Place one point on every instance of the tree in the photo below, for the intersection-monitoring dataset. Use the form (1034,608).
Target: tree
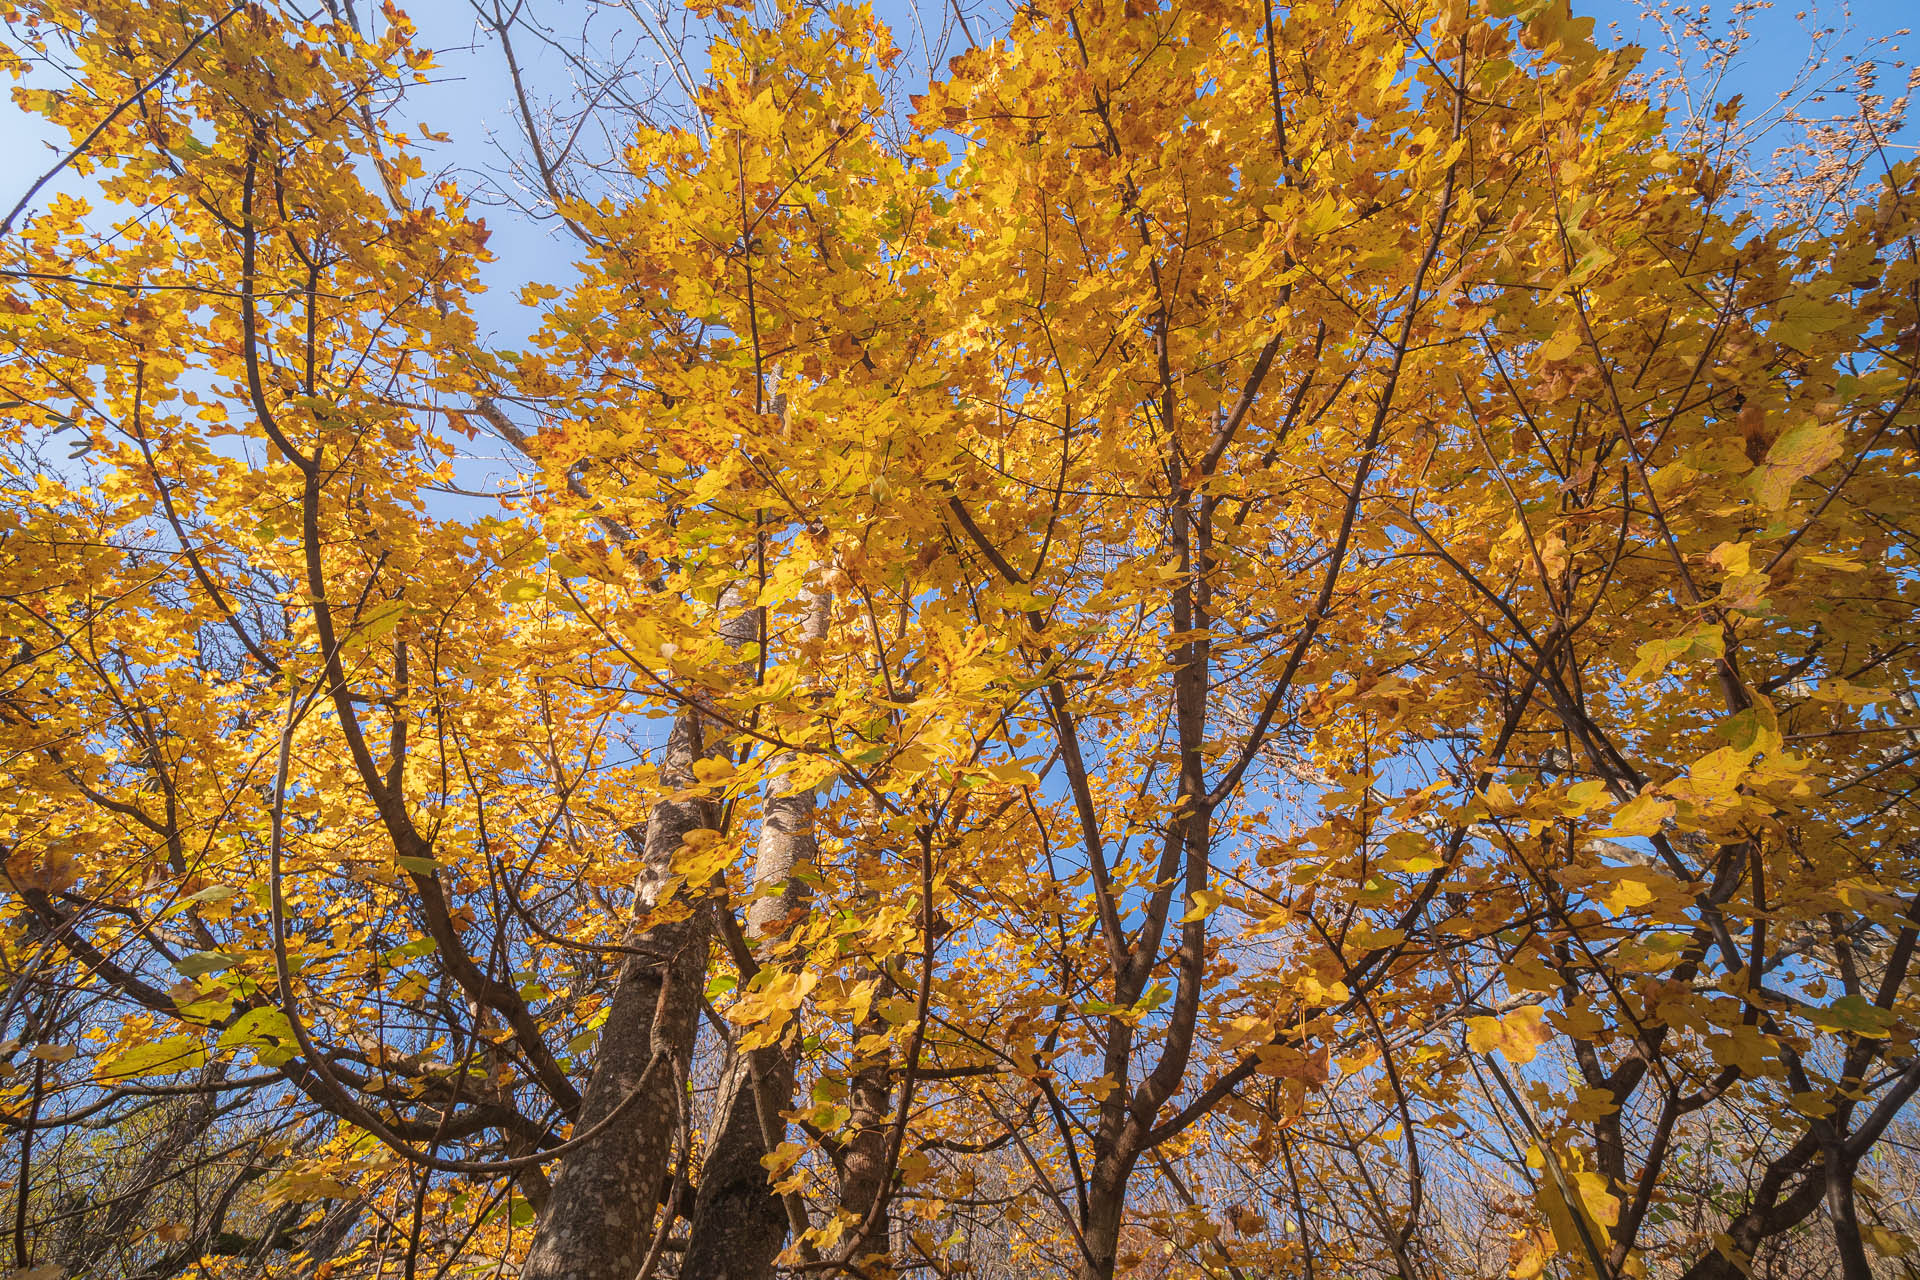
(1241,640)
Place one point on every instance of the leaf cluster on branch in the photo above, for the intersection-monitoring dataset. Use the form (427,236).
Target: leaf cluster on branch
(1243,640)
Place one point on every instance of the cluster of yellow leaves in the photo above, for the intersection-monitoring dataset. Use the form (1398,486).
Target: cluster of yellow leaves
(1328,498)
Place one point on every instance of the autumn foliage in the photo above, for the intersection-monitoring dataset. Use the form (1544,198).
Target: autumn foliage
(1236,641)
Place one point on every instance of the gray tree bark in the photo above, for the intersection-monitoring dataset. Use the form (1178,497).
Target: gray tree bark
(739,1223)
(863,1160)
(600,1214)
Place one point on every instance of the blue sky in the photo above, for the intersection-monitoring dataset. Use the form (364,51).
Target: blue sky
(470,98)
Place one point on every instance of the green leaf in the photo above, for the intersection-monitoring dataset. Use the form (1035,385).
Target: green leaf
(204,962)
(1856,1015)
(266,1031)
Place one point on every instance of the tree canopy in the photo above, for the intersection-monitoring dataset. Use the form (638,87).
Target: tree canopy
(1239,640)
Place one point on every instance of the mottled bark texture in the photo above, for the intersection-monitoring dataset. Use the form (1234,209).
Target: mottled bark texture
(599,1219)
(863,1160)
(739,1222)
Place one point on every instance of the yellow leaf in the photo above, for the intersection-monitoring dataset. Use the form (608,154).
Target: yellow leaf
(1517,1035)
(1533,1247)
(1585,797)
(1640,816)
(1718,773)
(1564,342)
(1797,454)
(1627,892)
(1601,1205)
(1592,1104)
(1655,656)
(165,1057)
(1204,900)
(1410,851)
(1723,1245)
(1500,800)
(1747,1048)
(1529,973)
(1888,1244)
(1596,1210)
(702,857)
(1734,558)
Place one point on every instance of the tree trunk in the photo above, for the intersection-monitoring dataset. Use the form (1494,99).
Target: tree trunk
(599,1220)
(863,1162)
(1106,1210)
(739,1222)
